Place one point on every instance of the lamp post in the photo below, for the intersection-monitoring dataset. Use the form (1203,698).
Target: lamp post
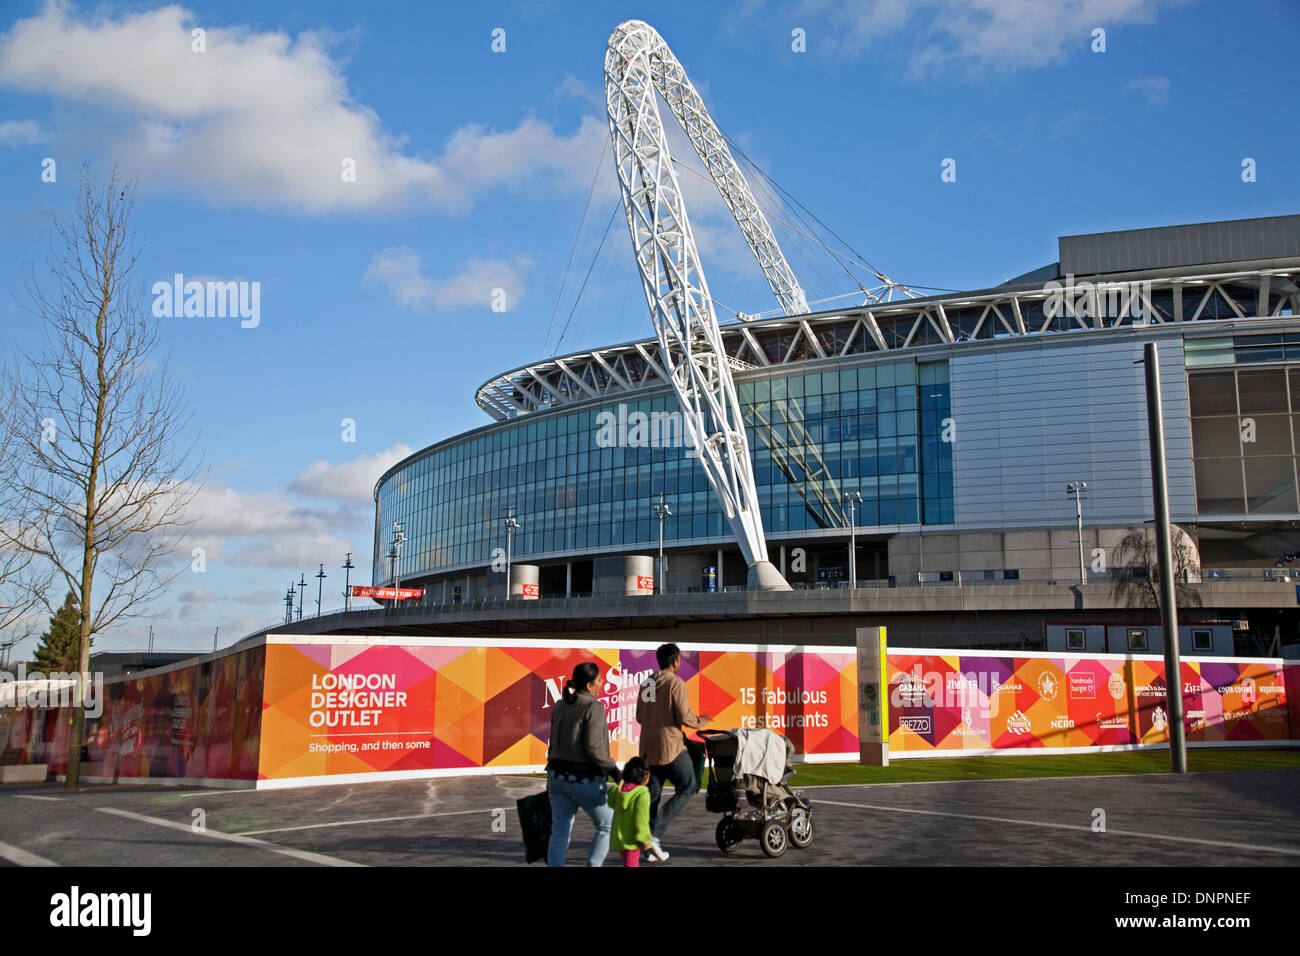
(320,586)
(662,511)
(398,537)
(1075,489)
(511,524)
(302,591)
(347,578)
(1164,546)
(853,499)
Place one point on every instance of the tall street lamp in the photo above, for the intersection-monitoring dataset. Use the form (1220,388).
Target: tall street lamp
(662,511)
(398,537)
(511,525)
(347,579)
(1075,490)
(302,591)
(853,499)
(320,586)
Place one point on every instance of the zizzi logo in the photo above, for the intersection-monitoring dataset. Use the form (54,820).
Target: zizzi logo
(208,300)
(623,429)
(74,909)
(1099,300)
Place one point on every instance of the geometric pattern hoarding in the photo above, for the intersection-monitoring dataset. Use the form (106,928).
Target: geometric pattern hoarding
(416,706)
(299,710)
(971,702)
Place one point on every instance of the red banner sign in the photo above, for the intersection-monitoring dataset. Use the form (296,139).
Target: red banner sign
(528,590)
(388,594)
(645,582)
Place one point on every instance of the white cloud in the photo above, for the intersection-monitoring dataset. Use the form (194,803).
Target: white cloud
(264,118)
(399,270)
(350,481)
(970,36)
(20,133)
(1154,88)
(198,596)
(268,526)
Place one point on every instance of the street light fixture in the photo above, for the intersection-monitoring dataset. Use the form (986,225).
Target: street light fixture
(320,585)
(396,554)
(662,511)
(347,578)
(1075,490)
(853,499)
(511,525)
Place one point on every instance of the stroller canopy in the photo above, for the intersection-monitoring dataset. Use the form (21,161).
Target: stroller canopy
(762,753)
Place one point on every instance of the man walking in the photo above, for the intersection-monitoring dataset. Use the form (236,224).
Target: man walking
(662,707)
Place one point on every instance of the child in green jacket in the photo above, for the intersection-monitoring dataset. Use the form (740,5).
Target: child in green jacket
(630,832)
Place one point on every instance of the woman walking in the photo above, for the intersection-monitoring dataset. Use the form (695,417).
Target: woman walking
(577,763)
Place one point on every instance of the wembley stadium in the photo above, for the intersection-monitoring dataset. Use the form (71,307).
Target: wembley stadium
(996,436)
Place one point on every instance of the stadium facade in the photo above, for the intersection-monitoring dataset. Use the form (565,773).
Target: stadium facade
(959,420)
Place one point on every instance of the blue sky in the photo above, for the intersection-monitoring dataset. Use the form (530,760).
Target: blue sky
(473,170)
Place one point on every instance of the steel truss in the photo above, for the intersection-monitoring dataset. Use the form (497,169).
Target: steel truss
(958,319)
(691,356)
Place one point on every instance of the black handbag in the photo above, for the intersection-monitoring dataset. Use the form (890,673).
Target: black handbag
(535,824)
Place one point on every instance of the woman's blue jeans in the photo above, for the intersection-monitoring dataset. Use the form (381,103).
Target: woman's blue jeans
(566,798)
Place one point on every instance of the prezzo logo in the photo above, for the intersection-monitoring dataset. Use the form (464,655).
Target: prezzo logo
(1099,300)
(208,300)
(917,725)
(75,909)
(1018,723)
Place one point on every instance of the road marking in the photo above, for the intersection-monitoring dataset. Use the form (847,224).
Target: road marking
(232,838)
(15,855)
(1065,826)
(352,823)
(32,796)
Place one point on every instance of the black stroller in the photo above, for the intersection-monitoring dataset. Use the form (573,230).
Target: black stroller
(753,805)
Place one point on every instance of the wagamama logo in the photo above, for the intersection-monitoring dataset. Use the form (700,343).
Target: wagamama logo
(74,909)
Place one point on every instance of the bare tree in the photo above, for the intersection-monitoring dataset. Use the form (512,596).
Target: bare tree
(1136,578)
(100,471)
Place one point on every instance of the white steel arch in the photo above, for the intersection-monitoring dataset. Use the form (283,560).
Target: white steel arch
(637,62)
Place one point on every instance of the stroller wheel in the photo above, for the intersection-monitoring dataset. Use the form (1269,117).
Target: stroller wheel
(728,835)
(774,839)
(801,827)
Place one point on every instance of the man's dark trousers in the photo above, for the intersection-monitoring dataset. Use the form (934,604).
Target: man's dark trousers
(682,774)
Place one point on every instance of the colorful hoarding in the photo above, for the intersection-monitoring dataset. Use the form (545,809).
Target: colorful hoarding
(367,708)
(978,702)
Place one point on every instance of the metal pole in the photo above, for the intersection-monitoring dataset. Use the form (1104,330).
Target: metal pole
(347,581)
(1078,514)
(853,544)
(214,637)
(320,587)
(302,592)
(1168,602)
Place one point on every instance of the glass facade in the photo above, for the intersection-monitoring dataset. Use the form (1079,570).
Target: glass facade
(883,431)
(1245,434)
